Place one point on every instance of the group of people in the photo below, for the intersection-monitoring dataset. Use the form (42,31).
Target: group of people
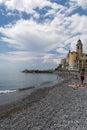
(82,77)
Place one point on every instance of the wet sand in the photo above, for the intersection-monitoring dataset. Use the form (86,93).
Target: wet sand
(59,107)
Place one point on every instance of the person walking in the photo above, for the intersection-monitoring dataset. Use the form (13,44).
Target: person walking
(82,76)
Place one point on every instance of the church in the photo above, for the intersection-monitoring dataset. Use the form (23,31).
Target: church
(75,60)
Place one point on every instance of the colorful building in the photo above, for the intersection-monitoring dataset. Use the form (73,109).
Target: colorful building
(75,60)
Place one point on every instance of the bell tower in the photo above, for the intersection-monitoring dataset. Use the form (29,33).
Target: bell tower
(79,48)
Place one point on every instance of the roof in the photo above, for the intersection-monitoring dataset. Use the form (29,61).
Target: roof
(79,42)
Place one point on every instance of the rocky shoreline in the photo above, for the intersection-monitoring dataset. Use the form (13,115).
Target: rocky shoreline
(59,107)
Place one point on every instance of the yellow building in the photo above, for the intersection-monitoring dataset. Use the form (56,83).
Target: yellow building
(63,62)
(75,60)
(72,60)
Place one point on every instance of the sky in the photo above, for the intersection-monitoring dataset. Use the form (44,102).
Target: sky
(37,34)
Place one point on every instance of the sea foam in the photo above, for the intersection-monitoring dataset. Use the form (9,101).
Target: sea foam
(7,91)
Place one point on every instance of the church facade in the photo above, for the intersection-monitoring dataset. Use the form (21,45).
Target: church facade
(75,60)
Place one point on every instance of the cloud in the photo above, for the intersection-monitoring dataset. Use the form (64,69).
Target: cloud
(43,37)
(29,35)
(51,59)
(35,40)
(26,5)
(62,51)
(82,3)
(18,56)
(21,60)
(21,57)
(1,1)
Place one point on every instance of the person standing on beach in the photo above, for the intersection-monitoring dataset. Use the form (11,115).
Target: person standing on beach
(82,75)
(69,74)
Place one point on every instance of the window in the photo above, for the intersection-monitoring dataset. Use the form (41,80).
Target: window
(77,47)
(76,58)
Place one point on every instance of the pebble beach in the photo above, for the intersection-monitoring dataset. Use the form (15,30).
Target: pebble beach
(59,107)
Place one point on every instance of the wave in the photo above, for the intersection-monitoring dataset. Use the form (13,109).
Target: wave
(7,91)
(12,91)
(41,85)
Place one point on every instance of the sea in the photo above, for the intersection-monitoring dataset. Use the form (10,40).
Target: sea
(14,81)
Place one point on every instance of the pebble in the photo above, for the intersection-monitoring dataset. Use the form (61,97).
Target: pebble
(63,108)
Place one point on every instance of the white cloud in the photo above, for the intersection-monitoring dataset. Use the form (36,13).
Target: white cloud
(29,60)
(32,36)
(62,51)
(27,6)
(15,56)
(1,1)
(82,3)
(51,59)
(27,34)
(54,10)
(40,38)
